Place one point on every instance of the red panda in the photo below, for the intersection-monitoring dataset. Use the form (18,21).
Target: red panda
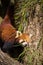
(10,35)
(24,39)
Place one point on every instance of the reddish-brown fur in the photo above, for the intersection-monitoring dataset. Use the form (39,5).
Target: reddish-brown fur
(24,37)
(8,33)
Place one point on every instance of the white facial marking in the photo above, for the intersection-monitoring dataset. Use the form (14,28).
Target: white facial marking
(21,41)
(24,43)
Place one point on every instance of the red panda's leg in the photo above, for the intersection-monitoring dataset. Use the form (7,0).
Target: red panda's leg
(7,46)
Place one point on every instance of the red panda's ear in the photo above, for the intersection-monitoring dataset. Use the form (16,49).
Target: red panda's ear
(18,33)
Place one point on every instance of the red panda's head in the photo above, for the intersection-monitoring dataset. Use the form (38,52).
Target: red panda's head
(23,38)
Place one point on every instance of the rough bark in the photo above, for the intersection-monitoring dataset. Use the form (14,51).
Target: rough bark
(6,60)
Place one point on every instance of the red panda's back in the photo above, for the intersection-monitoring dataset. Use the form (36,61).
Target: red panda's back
(8,32)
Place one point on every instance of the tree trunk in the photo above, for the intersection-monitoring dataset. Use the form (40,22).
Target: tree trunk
(6,60)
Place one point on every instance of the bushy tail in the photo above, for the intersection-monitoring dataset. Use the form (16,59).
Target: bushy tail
(10,12)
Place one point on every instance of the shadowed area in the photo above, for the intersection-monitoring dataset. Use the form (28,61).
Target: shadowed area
(15,51)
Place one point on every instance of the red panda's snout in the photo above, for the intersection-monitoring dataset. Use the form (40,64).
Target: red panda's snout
(23,43)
